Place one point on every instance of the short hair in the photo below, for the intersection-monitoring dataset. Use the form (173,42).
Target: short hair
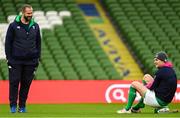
(24,7)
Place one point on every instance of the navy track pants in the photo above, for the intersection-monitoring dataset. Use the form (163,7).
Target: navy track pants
(20,78)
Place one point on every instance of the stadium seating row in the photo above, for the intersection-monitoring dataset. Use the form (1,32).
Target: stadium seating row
(148,26)
(70,50)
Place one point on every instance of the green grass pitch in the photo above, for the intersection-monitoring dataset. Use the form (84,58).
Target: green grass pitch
(82,111)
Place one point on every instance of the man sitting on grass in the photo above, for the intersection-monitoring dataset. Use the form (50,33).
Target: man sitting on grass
(157,92)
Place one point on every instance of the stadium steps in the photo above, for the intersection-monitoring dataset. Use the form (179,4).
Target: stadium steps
(148,26)
(109,40)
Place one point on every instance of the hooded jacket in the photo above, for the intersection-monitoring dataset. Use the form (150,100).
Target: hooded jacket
(165,83)
(23,46)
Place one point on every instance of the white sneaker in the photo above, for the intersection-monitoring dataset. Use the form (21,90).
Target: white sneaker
(163,110)
(123,111)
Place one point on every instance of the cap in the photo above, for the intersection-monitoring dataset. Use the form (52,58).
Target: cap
(161,56)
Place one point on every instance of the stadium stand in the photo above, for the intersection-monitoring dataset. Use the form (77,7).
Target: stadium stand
(70,50)
(148,26)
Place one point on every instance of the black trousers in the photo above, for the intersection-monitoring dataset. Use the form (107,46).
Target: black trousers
(20,78)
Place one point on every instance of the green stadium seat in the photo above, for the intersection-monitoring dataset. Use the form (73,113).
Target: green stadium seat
(31,1)
(151,26)
(40,73)
(3,69)
(71,51)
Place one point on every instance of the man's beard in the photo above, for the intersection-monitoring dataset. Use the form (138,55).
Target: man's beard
(27,18)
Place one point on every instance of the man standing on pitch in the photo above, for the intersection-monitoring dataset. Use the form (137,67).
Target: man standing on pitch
(23,48)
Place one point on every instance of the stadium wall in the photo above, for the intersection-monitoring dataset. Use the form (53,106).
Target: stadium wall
(76,91)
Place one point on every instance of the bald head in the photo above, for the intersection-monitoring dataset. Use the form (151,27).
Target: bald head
(23,9)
